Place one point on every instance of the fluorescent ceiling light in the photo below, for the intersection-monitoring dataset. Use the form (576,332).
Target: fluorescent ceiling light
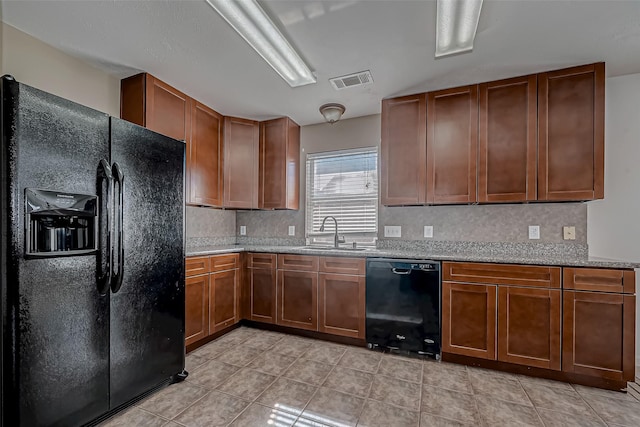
(253,24)
(457,22)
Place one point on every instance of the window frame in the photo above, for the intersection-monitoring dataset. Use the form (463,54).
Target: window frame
(363,239)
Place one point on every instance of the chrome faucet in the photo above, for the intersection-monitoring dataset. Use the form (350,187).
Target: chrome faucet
(336,239)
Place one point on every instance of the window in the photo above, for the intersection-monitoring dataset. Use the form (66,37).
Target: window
(343,184)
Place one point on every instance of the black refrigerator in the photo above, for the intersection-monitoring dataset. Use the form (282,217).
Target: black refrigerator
(91,260)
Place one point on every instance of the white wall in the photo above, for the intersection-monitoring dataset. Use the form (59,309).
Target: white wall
(614,223)
(42,66)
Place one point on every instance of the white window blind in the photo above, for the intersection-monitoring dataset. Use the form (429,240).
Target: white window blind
(343,184)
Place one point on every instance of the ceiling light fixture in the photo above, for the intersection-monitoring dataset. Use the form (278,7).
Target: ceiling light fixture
(253,24)
(457,23)
(332,112)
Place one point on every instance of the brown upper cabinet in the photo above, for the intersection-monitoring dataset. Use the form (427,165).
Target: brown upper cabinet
(204,151)
(508,140)
(536,137)
(231,162)
(403,151)
(571,133)
(452,145)
(240,148)
(149,102)
(279,185)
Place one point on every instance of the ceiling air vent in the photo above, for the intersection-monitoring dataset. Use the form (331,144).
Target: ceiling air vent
(352,80)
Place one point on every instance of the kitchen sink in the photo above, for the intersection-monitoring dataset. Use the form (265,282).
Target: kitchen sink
(331,248)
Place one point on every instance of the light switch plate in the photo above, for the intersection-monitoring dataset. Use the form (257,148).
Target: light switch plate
(292,230)
(428,231)
(569,232)
(534,232)
(243,230)
(392,231)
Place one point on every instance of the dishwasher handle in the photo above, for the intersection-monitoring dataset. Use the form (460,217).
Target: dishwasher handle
(402,271)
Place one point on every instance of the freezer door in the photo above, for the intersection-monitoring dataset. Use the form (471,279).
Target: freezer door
(147,309)
(56,345)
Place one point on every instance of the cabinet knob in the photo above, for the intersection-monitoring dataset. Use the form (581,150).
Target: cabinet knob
(309,318)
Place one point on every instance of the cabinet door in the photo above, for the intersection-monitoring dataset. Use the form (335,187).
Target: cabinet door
(469,319)
(452,145)
(403,151)
(279,164)
(342,305)
(571,134)
(203,159)
(508,140)
(529,322)
(168,109)
(262,295)
(196,308)
(298,299)
(240,148)
(599,335)
(223,300)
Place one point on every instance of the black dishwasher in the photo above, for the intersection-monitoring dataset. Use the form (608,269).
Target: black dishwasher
(403,305)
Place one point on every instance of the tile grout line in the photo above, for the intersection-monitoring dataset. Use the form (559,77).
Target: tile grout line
(319,385)
(591,407)
(420,393)
(260,394)
(475,398)
(535,408)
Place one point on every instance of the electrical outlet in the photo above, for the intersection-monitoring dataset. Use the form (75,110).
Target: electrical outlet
(569,233)
(392,231)
(534,232)
(243,230)
(428,231)
(292,230)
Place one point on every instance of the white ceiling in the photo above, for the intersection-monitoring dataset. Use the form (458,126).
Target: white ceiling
(187,44)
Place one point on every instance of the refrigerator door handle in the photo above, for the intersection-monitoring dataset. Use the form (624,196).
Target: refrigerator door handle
(116,280)
(105,251)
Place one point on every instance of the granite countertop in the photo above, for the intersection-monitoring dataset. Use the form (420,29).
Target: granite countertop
(560,260)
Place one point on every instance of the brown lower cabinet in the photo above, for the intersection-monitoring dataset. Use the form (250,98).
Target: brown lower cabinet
(223,300)
(341,305)
(502,312)
(529,322)
(469,319)
(212,299)
(197,308)
(262,289)
(583,325)
(298,299)
(325,294)
(599,323)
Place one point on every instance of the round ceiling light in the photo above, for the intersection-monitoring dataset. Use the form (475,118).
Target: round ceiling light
(332,112)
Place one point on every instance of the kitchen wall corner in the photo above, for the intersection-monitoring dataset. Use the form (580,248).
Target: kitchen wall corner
(206,227)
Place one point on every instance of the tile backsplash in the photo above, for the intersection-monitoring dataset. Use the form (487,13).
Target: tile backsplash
(487,223)
(466,223)
(210,226)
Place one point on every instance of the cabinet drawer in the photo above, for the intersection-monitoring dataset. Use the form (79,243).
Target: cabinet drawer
(262,261)
(342,265)
(298,262)
(196,265)
(502,274)
(224,262)
(600,280)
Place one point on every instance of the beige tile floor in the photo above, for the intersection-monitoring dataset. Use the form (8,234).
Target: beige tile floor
(258,378)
